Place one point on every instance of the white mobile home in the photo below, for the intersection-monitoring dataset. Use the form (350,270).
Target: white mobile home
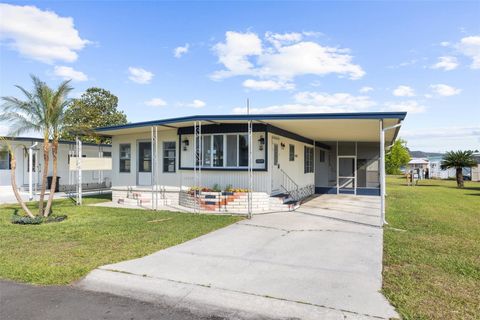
(289,154)
(66,150)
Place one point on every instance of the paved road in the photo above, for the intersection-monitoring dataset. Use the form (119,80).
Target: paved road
(21,301)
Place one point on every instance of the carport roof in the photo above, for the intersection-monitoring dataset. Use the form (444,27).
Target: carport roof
(317,126)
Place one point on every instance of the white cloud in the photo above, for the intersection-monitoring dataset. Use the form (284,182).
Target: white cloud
(196,103)
(40,35)
(280,57)
(470,47)
(279,39)
(180,51)
(140,75)
(235,52)
(270,85)
(68,73)
(445,90)
(156,102)
(315,102)
(365,89)
(410,106)
(446,63)
(403,91)
(445,43)
(443,132)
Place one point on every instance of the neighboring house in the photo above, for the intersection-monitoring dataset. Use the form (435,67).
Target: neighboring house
(450,173)
(417,163)
(476,169)
(293,155)
(65,151)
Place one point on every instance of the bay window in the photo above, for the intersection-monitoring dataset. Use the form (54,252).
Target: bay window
(224,150)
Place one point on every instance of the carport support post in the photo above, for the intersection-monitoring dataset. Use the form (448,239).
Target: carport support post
(79,170)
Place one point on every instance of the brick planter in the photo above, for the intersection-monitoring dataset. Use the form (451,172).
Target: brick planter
(234,202)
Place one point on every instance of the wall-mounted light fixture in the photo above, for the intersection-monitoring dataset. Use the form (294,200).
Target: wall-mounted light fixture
(282,145)
(185,144)
(261,143)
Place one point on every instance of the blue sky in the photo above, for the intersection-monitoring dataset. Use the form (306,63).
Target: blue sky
(167,59)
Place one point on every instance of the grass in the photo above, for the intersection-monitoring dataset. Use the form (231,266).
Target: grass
(432,249)
(60,253)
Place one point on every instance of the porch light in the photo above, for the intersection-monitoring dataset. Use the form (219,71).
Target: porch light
(282,145)
(261,143)
(185,144)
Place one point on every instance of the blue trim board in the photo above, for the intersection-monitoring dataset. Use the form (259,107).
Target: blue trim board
(360,191)
(60,141)
(259,117)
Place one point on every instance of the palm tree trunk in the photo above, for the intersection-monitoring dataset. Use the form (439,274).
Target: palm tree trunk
(459,173)
(46,150)
(54,175)
(13,166)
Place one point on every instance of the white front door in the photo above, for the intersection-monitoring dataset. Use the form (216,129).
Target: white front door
(276,172)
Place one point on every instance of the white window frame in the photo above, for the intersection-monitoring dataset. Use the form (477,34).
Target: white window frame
(225,146)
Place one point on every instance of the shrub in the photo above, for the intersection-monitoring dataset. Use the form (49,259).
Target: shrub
(18,219)
(216,188)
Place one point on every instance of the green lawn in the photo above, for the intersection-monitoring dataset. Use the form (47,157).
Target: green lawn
(59,253)
(432,249)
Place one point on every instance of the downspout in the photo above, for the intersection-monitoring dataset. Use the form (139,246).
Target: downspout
(30,170)
(382,169)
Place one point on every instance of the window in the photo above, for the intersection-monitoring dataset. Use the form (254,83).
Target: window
(243,150)
(125,157)
(207,151)
(232,150)
(107,154)
(291,152)
(169,154)
(144,157)
(322,156)
(217,153)
(308,160)
(224,150)
(34,162)
(4,160)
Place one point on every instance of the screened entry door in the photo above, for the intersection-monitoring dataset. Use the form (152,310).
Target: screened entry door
(144,167)
(346,175)
(276,172)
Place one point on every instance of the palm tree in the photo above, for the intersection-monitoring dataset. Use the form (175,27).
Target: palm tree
(37,113)
(59,105)
(458,160)
(13,167)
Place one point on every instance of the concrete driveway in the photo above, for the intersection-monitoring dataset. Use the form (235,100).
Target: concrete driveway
(322,261)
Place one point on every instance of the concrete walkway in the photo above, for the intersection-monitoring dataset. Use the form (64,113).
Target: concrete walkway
(323,261)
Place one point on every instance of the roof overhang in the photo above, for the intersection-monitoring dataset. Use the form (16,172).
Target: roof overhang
(318,126)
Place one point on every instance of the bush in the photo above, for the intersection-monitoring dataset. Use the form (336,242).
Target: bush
(18,219)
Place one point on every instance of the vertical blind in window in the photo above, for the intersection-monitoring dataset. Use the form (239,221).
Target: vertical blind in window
(169,154)
(125,157)
(308,160)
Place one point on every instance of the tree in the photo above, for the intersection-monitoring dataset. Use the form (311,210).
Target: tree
(31,114)
(13,167)
(95,108)
(397,157)
(458,160)
(42,112)
(58,105)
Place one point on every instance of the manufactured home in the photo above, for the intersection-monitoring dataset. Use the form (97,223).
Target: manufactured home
(23,146)
(289,156)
